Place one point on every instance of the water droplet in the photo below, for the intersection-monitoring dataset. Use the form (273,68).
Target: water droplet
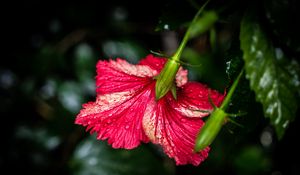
(183,119)
(127,127)
(108,121)
(166,27)
(286,124)
(158,136)
(278,53)
(110,114)
(266,138)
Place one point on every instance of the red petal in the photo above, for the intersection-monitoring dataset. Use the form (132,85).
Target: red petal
(175,124)
(193,99)
(157,64)
(123,94)
(117,117)
(181,77)
(153,62)
(119,76)
(173,131)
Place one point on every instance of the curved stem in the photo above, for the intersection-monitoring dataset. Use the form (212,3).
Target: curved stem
(231,91)
(185,39)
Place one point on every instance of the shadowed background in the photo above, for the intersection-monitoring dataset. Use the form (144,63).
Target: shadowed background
(47,72)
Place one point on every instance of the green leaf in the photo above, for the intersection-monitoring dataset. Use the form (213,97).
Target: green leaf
(94,157)
(274,78)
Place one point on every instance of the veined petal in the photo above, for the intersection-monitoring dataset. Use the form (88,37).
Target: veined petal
(193,99)
(123,92)
(157,64)
(174,124)
(117,117)
(181,77)
(117,76)
(126,112)
(173,131)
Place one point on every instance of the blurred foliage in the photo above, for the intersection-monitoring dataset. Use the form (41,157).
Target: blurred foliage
(94,157)
(273,77)
(48,69)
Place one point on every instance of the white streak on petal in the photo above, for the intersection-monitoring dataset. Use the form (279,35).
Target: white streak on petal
(108,101)
(192,111)
(181,77)
(149,120)
(137,70)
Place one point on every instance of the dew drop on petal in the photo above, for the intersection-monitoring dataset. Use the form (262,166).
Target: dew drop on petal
(158,136)
(108,121)
(127,127)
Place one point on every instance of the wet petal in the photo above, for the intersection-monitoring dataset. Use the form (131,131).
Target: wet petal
(181,77)
(118,76)
(173,131)
(157,64)
(117,117)
(126,112)
(193,99)
(123,92)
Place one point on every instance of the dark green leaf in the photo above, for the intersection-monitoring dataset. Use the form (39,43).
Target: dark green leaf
(273,77)
(96,157)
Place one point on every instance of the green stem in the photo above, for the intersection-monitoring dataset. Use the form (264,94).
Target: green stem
(231,91)
(185,39)
(214,123)
(165,80)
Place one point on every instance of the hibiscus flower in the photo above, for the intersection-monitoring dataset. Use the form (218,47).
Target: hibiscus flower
(126,112)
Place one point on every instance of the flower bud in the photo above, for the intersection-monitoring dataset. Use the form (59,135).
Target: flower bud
(165,80)
(210,129)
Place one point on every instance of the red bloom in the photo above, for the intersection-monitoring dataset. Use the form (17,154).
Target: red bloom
(126,113)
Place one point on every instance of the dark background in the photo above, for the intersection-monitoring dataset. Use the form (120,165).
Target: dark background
(49,52)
